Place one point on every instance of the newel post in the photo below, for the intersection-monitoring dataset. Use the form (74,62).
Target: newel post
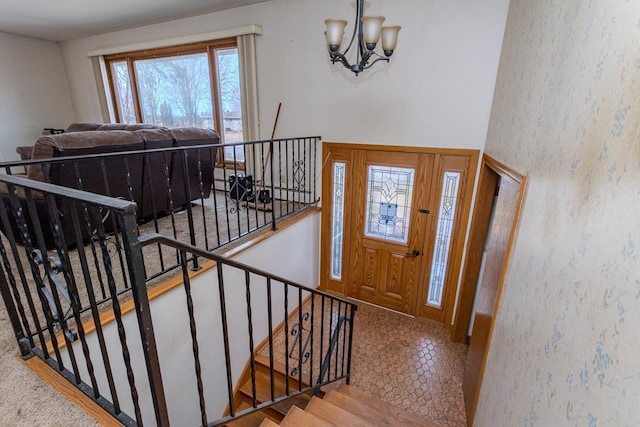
(135,262)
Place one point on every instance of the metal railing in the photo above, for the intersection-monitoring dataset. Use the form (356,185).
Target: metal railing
(190,193)
(56,298)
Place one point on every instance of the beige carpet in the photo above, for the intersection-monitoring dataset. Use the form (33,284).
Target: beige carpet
(26,400)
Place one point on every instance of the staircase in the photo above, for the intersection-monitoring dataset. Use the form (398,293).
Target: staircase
(339,406)
(347,406)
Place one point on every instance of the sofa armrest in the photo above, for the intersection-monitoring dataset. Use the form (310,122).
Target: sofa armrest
(25,152)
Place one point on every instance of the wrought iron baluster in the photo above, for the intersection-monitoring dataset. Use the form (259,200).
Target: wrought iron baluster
(94,312)
(35,270)
(225,333)
(12,312)
(270,321)
(337,348)
(280,175)
(287,168)
(344,341)
(71,295)
(187,191)
(286,336)
(126,355)
(21,273)
(311,332)
(273,190)
(315,167)
(354,308)
(215,196)
(22,329)
(247,282)
(194,336)
(300,333)
(201,188)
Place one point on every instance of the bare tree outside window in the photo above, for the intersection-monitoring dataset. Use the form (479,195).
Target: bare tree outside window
(229,75)
(120,72)
(174,89)
(149,79)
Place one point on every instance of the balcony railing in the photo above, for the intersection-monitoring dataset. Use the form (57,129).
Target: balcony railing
(189,193)
(69,257)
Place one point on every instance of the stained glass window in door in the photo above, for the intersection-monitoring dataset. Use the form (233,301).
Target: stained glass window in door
(446,217)
(388,203)
(337,220)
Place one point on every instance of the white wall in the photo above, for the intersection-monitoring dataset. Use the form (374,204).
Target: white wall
(284,254)
(565,348)
(437,91)
(33,90)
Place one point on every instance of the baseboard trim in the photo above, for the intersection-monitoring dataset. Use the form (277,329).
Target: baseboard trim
(64,387)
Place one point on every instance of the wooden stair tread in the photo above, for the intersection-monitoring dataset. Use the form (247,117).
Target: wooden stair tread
(252,420)
(268,423)
(263,362)
(334,414)
(263,392)
(297,417)
(373,410)
(279,369)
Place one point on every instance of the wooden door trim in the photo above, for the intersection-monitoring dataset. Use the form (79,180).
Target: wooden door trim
(404,149)
(504,172)
(456,248)
(458,244)
(329,284)
(473,259)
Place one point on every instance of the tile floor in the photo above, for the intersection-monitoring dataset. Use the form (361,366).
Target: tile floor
(407,362)
(410,363)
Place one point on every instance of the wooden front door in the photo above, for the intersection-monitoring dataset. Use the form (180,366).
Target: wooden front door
(388,227)
(393,223)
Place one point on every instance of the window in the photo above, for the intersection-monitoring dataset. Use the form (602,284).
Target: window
(388,203)
(337,220)
(444,233)
(190,85)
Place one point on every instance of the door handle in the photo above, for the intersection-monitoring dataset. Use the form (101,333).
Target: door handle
(415,253)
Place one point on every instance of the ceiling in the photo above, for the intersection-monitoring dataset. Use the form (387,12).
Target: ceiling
(71,19)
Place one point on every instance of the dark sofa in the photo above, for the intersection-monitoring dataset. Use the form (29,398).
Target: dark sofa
(159,182)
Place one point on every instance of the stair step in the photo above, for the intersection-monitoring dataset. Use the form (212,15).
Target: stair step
(268,423)
(253,420)
(297,418)
(373,410)
(334,414)
(263,392)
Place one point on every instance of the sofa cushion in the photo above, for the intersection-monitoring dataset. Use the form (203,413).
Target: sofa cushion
(155,138)
(82,127)
(138,126)
(112,126)
(194,136)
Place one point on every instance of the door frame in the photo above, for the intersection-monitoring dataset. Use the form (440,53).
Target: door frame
(475,243)
(340,287)
(491,172)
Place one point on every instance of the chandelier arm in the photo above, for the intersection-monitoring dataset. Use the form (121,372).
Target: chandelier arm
(381,58)
(339,57)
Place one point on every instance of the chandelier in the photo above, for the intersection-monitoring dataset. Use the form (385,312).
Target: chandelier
(369,30)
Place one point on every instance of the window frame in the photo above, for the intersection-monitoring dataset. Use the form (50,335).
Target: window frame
(209,47)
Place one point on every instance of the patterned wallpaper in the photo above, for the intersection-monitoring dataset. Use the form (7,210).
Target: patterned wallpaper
(566,346)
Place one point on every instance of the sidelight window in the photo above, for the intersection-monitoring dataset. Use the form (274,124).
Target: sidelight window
(446,216)
(337,220)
